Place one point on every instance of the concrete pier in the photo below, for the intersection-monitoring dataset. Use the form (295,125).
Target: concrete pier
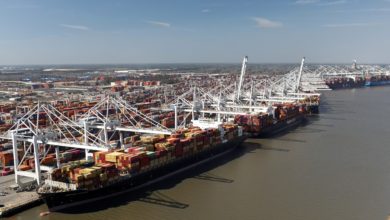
(11,201)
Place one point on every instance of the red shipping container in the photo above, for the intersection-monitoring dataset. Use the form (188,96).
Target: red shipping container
(144,161)
(173,140)
(206,139)
(24,167)
(179,151)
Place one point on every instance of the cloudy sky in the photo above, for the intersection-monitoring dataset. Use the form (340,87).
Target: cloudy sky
(171,31)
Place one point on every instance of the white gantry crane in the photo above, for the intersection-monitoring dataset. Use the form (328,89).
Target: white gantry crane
(116,115)
(245,94)
(288,88)
(42,128)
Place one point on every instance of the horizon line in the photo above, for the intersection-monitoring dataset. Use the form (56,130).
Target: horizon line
(165,63)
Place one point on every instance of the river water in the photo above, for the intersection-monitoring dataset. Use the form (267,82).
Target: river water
(335,167)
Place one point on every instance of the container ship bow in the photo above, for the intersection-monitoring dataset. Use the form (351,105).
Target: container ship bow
(151,159)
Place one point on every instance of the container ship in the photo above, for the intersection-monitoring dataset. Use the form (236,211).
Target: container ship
(150,159)
(379,80)
(357,82)
(282,118)
(345,82)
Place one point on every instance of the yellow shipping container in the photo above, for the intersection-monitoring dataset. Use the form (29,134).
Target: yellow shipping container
(146,139)
(188,134)
(149,139)
(112,157)
(87,171)
(64,169)
(98,170)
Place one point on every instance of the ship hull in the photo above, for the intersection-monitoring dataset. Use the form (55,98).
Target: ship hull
(346,85)
(377,83)
(63,200)
(313,109)
(357,84)
(282,126)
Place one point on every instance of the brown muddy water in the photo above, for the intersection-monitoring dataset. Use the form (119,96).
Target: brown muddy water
(336,167)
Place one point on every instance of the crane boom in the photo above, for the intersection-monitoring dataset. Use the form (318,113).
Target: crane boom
(300,75)
(243,69)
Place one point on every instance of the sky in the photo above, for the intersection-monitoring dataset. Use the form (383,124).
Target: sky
(193,31)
